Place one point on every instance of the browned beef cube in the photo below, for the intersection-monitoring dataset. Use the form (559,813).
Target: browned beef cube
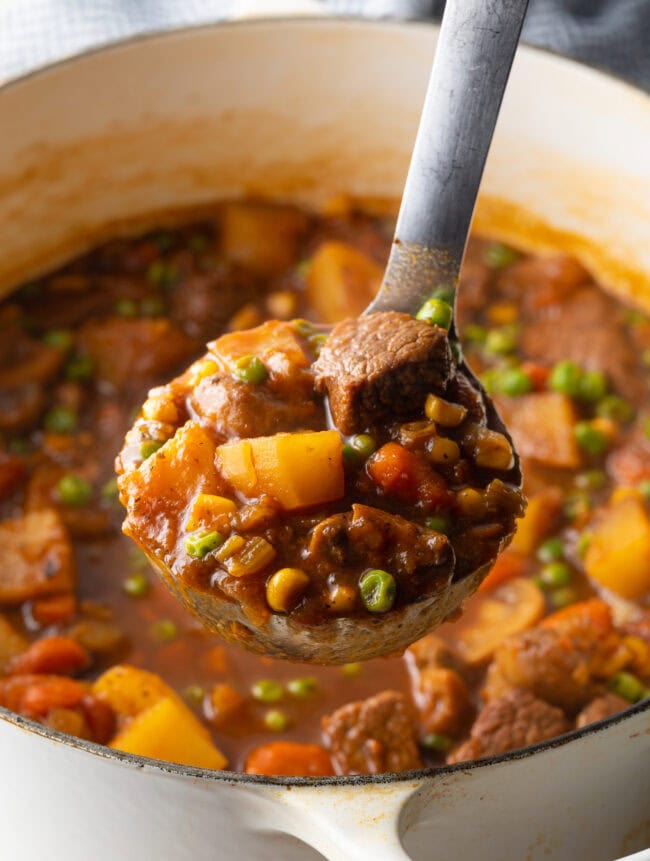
(509,722)
(380,367)
(601,707)
(372,736)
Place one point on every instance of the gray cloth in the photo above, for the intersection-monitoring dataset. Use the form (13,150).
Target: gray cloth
(613,34)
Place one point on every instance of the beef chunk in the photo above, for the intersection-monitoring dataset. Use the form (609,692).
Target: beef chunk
(585,330)
(563,665)
(207,302)
(601,707)
(514,720)
(379,540)
(443,701)
(381,366)
(433,651)
(238,410)
(372,736)
(629,463)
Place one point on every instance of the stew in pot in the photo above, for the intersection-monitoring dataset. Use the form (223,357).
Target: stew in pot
(92,644)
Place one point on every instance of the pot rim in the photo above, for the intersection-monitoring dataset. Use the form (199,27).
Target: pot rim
(241,778)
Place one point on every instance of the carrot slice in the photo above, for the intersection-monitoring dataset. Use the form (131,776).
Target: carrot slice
(59,655)
(289,759)
(507,566)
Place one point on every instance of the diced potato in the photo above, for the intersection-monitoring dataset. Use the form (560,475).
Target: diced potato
(541,425)
(261,237)
(35,557)
(129,690)
(166,481)
(266,342)
(296,469)
(491,617)
(209,510)
(235,461)
(341,281)
(169,731)
(12,643)
(541,514)
(618,556)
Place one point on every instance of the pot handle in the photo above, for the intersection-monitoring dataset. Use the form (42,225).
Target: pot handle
(273,8)
(346,823)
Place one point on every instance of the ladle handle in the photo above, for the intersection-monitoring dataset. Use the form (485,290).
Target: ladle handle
(476,47)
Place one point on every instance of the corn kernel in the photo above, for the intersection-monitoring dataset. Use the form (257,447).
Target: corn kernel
(443,412)
(199,370)
(608,427)
(209,510)
(160,409)
(492,450)
(443,451)
(281,304)
(503,313)
(285,588)
(621,493)
(471,503)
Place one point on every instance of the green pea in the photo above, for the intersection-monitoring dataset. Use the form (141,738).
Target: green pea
(59,338)
(149,447)
(74,491)
(616,408)
(351,456)
(199,544)
(445,292)
(302,688)
(267,691)
(194,695)
(276,720)
(552,550)
(563,597)
(302,269)
(438,524)
(110,490)
(474,333)
(126,308)
(303,327)
(198,243)
(576,504)
(489,380)
(164,239)
(351,671)
(363,444)
(644,487)
(555,574)
(582,545)
(163,631)
(590,439)
(565,377)
(60,420)
(135,586)
(592,386)
(436,312)
(79,368)
(378,590)
(498,256)
(317,341)
(593,479)
(250,369)
(501,341)
(514,382)
(437,742)
(152,306)
(627,686)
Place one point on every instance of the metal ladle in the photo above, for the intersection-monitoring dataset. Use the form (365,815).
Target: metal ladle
(475,51)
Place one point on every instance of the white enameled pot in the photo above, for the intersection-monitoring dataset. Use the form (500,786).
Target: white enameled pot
(308,110)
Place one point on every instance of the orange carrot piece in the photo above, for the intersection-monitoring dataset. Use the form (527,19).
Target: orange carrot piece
(401,473)
(58,655)
(507,566)
(53,610)
(53,692)
(289,759)
(594,612)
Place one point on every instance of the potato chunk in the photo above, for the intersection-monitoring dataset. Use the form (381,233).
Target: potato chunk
(298,469)
(261,237)
(618,556)
(341,281)
(542,425)
(35,557)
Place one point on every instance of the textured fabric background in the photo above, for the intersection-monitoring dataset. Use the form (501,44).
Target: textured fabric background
(612,34)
